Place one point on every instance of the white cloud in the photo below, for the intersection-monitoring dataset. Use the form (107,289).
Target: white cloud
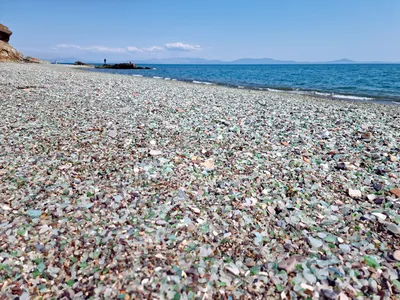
(153,49)
(170,46)
(182,47)
(92,48)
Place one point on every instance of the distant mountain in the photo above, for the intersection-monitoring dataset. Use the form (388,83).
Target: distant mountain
(341,61)
(260,61)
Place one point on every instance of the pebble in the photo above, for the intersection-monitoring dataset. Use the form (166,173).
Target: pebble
(396,255)
(329,294)
(112,133)
(392,158)
(393,228)
(161,222)
(355,194)
(396,192)
(290,263)
(209,164)
(379,215)
(155,152)
(160,168)
(366,135)
(345,166)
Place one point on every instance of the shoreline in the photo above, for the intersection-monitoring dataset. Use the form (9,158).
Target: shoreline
(385,100)
(120,187)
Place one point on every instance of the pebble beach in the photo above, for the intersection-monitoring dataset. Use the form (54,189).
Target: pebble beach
(122,187)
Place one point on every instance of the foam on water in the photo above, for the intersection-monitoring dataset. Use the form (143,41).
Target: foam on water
(350,97)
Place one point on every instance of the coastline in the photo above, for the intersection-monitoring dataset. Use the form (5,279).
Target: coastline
(121,185)
(188,74)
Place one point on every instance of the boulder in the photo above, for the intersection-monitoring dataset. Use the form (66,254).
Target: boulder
(5,33)
(9,54)
(122,66)
(79,63)
(34,60)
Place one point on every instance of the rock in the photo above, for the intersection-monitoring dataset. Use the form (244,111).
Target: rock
(355,194)
(325,134)
(33,60)
(161,222)
(9,54)
(5,33)
(79,63)
(371,197)
(396,255)
(233,269)
(378,201)
(379,215)
(329,294)
(112,133)
(209,164)
(124,66)
(366,135)
(155,152)
(392,158)
(377,186)
(345,166)
(396,192)
(290,264)
(393,228)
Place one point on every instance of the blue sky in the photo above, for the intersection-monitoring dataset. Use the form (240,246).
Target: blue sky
(302,30)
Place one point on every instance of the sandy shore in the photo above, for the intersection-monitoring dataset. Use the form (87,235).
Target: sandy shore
(124,187)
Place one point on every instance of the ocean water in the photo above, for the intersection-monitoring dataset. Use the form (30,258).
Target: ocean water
(358,82)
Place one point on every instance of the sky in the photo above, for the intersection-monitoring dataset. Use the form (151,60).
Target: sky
(301,30)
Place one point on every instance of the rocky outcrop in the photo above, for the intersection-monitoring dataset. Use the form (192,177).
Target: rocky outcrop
(5,33)
(7,52)
(34,60)
(122,66)
(79,63)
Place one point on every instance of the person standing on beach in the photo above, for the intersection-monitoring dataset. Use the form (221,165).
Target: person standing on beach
(105,61)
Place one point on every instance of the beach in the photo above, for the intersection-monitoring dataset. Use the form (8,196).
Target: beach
(127,187)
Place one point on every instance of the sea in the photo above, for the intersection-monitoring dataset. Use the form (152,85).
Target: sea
(378,83)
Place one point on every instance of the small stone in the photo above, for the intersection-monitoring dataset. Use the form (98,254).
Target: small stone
(393,228)
(329,294)
(379,215)
(392,158)
(290,264)
(271,210)
(378,201)
(377,186)
(396,192)
(366,135)
(344,247)
(233,269)
(340,240)
(371,197)
(345,166)
(396,255)
(325,134)
(194,209)
(34,213)
(355,194)
(112,133)
(161,222)
(315,243)
(209,164)
(155,152)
